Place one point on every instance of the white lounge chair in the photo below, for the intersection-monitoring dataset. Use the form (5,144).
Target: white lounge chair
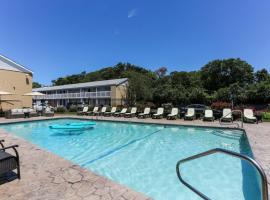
(110,113)
(208,115)
(249,116)
(132,112)
(84,111)
(119,114)
(48,112)
(93,112)
(173,114)
(102,111)
(159,113)
(227,115)
(32,112)
(190,114)
(146,113)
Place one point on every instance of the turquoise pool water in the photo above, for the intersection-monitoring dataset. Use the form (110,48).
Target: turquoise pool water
(143,157)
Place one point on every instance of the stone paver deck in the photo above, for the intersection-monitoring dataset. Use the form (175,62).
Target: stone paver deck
(47,176)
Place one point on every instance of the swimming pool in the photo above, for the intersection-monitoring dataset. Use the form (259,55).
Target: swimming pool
(143,157)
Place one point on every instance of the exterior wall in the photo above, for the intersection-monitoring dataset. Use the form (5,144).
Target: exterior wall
(118,95)
(17,83)
(99,95)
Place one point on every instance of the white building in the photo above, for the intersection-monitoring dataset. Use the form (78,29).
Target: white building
(107,92)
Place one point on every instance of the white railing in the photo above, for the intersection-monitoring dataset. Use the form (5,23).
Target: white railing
(103,94)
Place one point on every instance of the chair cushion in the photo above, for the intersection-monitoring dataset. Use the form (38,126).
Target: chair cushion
(25,110)
(14,111)
(47,109)
(20,110)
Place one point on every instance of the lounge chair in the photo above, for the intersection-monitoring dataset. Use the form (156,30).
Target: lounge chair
(159,113)
(146,113)
(249,116)
(113,110)
(208,115)
(31,112)
(84,111)
(48,112)
(95,110)
(9,162)
(14,113)
(119,114)
(227,115)
(132,112)
(190,114)
(102,111)
(173,114)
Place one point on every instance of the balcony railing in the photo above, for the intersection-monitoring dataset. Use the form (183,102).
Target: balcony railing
(88,95)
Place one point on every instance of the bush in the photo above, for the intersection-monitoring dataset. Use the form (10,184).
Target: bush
(142,105)
(61,109)
(244,106)
(72,108)
(266,116)
(219,105)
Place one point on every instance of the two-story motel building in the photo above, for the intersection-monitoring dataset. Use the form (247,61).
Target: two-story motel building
(107,92)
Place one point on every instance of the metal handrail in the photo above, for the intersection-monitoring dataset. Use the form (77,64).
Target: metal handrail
(242,118)
(231,153)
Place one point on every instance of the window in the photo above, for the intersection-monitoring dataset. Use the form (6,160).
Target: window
(27,80)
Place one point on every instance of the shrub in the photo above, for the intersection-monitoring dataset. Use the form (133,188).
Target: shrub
(266,116)
(72,108)
(61,109)
(219,105)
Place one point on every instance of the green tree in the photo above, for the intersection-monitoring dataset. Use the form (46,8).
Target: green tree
(36,85)
(219,80)
(222,73)
(161,72)
(222,94)
(197,95)
(181,78)
(139,87)
(75,78)
(262,75)
(259,92)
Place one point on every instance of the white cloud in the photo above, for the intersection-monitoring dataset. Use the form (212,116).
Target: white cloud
(132,13)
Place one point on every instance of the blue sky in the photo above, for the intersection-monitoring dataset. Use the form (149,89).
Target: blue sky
(60,37)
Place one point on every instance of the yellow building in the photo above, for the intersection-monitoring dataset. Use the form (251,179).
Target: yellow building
(15,79)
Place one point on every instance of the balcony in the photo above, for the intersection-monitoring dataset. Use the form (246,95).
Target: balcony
(88,95)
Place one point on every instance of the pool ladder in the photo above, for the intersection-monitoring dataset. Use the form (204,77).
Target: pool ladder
(233,123)
(264,183)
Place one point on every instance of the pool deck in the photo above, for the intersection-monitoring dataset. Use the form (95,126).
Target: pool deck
(48,176)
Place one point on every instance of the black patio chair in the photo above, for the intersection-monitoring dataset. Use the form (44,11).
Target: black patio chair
(9,162)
